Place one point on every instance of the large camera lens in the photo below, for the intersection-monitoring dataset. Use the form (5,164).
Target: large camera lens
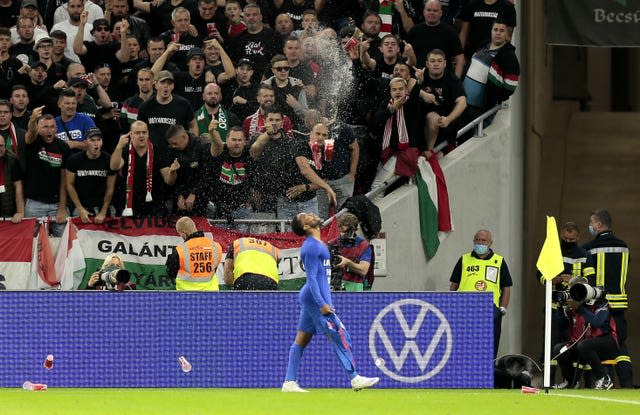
(585,292)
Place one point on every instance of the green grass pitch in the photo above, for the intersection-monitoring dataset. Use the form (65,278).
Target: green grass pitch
(318,401)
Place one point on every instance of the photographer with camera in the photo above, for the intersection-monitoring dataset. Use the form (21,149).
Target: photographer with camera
(592,334)
(351,257)
(577,263)
(112,276)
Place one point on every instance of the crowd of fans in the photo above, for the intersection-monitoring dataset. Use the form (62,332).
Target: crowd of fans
(226,108)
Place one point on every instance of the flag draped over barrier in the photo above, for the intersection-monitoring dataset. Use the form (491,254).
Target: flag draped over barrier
(16,253)
(145,243)
(435,215)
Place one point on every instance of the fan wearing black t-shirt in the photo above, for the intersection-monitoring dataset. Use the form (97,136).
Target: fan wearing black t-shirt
(447,100)
(43,180)
(101,50)
(164,110)
(90,181)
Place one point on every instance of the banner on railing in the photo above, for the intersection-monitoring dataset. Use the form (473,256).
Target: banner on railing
(16,253)
(613,23)
(144,244)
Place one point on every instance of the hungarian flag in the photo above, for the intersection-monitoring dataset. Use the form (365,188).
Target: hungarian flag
(16,253)
(435,216)
(145,243)
(43,260)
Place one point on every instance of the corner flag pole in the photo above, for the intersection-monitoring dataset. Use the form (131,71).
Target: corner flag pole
(550,265)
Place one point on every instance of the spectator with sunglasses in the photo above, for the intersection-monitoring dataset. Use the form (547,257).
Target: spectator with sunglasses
(101,50)
(289,92)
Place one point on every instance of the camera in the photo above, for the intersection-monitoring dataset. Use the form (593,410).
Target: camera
(112,276)
(585,292)
(580,293)
(336,258)
(334,249)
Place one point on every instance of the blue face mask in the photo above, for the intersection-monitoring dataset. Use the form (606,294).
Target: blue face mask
(592,231)
(480,249)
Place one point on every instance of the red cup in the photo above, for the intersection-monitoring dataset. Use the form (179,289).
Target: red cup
(328,149)
(175,37)
(527,389)
(211,28)
(48,362)
(350,43)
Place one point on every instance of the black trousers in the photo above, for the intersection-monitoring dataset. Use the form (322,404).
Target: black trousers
(623,367)
(588,351)
(251,282)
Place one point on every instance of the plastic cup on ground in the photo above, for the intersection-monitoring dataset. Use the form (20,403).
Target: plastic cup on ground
(527,389)
(30,386)
(184,364)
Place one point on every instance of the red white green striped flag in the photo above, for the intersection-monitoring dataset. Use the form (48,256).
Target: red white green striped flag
(435,215)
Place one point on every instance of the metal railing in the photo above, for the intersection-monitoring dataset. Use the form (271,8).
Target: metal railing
(477,122)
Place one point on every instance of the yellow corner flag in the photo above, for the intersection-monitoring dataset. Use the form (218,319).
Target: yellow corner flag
(550,259)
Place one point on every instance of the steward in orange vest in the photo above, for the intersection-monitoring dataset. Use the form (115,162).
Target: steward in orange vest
(193,263)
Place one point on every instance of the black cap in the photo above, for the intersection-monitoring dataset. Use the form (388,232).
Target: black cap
(77,82)
(93,132)
(193,52)
(38,63)
(245,61)
(100,22)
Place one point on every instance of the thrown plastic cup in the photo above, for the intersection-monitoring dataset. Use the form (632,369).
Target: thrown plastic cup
(48,362)
(184,364)
(30,386)
(527,389)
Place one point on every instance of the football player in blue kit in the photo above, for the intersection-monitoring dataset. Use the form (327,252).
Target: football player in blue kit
(317,315)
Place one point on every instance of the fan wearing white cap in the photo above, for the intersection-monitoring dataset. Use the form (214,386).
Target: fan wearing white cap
(43,46)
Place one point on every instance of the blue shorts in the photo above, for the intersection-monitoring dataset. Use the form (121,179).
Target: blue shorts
(313,322)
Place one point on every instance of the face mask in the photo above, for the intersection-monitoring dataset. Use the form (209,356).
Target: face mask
(592,231)
(480,249)
(566,245)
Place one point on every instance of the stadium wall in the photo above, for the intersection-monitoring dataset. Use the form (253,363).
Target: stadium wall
(484,180)
(240,339)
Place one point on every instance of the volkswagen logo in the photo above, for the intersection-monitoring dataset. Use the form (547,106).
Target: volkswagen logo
(414,337)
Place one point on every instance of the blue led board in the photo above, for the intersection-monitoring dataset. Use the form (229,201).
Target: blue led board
(240,339)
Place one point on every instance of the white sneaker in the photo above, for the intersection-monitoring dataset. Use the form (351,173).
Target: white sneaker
(563,385)
(292,386)
(604,383)
(361,382)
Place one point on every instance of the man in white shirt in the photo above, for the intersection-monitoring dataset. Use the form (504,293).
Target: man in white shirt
(70,27)
(95,12)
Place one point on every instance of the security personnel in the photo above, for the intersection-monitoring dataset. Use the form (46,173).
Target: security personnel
(251,264)
(193,263)
(356,254)
(484,270)
(611,258)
